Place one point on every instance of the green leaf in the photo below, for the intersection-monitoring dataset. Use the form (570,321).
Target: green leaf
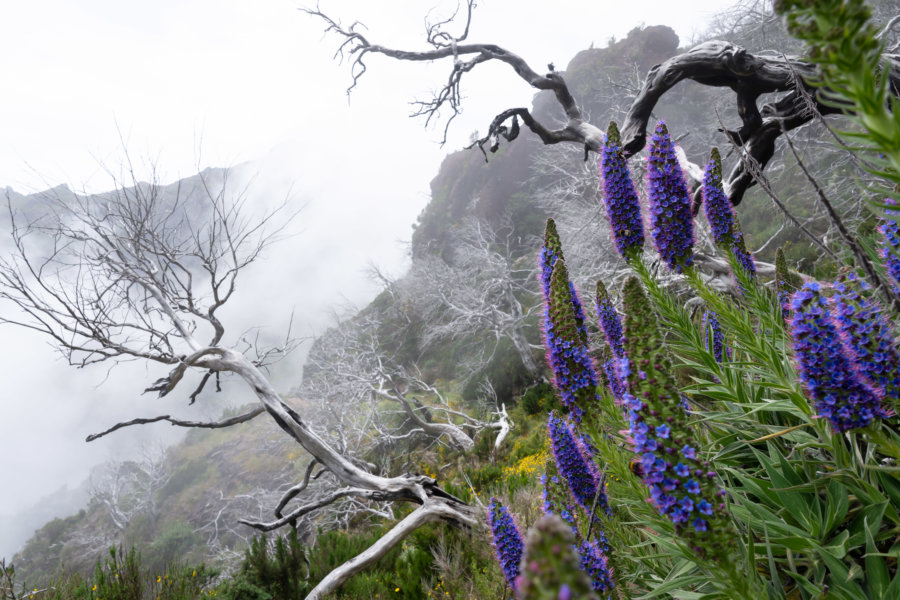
(871,514)
(795,505)
(877,577)
(837,502)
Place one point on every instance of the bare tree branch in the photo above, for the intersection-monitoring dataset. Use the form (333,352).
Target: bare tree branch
(465,57)
(428,512)
(308,508)
(229,422)
(723,64)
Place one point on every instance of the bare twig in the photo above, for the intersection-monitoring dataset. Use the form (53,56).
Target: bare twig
(229,422)
(465,57)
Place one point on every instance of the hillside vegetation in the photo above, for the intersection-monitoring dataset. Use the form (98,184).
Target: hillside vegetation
(182,507)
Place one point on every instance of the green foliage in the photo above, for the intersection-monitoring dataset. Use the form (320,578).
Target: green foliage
(183,477)
(276,573)
(173,544)
(539,398)
(122,576)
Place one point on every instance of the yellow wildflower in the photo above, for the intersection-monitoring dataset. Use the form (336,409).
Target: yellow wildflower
(527,465)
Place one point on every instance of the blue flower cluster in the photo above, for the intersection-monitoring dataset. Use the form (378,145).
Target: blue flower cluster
(890,248)
(565,338)
(576,466)
(556,496)
(825,367)
(671,221)
(507,541)
(722,223)
(558,500)
(716,204)
(594,563)
(712,334)
(622,205)
(547,259)
(616,384)
(615,340)
(609,321)
(679,481)
(867,335)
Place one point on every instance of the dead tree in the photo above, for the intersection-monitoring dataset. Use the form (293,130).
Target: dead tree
(356,379)
(722,64)
(142,274)
(128,489)
(713,63)
(485,288)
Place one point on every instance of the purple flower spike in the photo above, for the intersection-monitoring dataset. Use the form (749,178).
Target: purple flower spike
(723,224)
(609,321)
(616,384)
(712,334)
(890,248)
(622,206)
(507,541)
(550,253)
(716,204)
(567,345)
(661,435)
(575,466)
(867,335)
(595,565)
(838,391)
(671,221)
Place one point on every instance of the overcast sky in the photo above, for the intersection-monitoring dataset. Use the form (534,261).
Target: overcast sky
(184,84)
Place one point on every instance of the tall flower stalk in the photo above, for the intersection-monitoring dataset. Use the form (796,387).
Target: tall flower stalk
(551,251)
(682,485)
(611,326)
(622,205)
(609,320)
(574,491)
(576,466)
(824,364)
(553,571)
(723,224)
(671,220)
(716,204)
(713,336)
(507,541)
(567,346)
